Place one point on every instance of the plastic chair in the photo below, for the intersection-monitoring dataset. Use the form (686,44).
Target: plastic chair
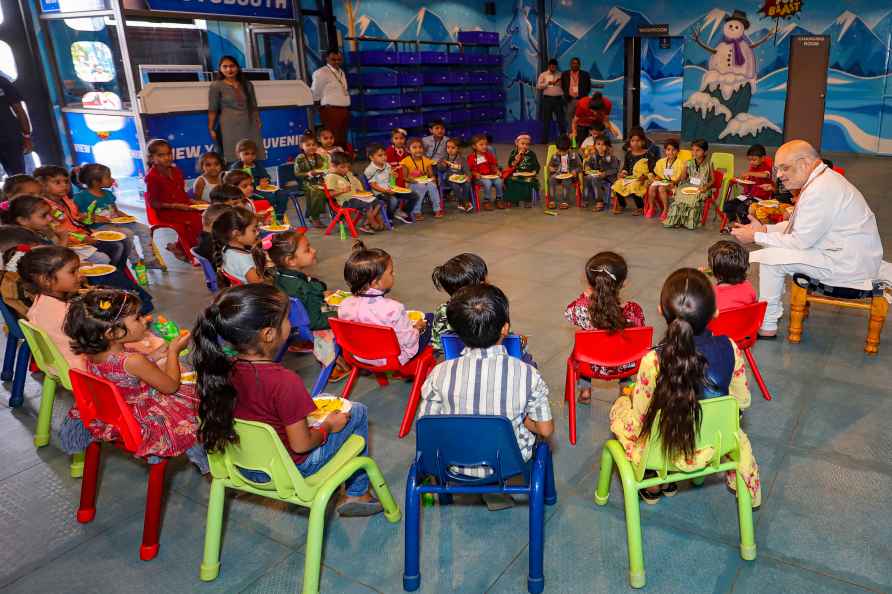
(717,179)
(603,349)
(361,343)
(340,214)
(300,325)
(259,448)
(839,170)
(577,184)
(15,357)
(384,215)
(453,345)
(718,429)
(155,224)
(467,440)
(233,282)
(725,163)
(99,399)
(685,155)
(210,276)
(741,324)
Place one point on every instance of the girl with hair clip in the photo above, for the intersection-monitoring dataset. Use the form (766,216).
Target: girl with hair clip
(666,176)
(237,252)
(369,274)
(252,321)
(689,365)
(100,323)
(519,184)
(15,242)
(599,308)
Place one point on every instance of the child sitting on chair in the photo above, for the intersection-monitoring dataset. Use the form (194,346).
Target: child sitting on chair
(667,174)
(729,262)
(689,365)
(600,168)
(382,182)
(453,166)
(687,207)
(755,185)
(492,382)
(458,272)
(348,192)
(633,176)
(563,173)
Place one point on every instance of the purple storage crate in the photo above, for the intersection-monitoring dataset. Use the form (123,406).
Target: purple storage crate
(436,98)
(407,58)
(438,114)
(493,78)
(477,114)
(436,78)
(459,116)
(459,96)
(433,57)
(455,58)
(410,100)
(382,122)
(480,37)
(457,78)
(477,77)
(373,58)
(478,96)
(410,79)
(410,120)
(475,59)
(378,79)
(387,101)
(498,96)
(492,59)
(494,113)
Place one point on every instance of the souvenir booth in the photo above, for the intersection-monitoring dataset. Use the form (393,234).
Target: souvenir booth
(127,71)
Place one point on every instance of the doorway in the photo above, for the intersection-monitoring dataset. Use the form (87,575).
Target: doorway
(660,83)
(806,88)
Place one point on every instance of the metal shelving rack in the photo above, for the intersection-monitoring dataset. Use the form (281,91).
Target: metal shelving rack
(463,115)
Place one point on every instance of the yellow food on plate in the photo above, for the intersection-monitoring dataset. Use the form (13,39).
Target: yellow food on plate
(747,182)
(593,172)
(108,236)
(97,269)
(123,220)
(399,190)
(325,405)
(489,176)
(199,206)
(337,297)
(188,377)
(422,180)
(689,191)
(769,203)
(459,179)
(525,173)
(415,315)
(275,228)
(268,188)
(362,194)
(563,176)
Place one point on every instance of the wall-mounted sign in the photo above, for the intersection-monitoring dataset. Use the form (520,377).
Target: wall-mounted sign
(268,9)
(653,30)
(781,9)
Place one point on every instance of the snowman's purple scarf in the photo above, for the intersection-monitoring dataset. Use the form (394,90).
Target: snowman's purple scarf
(738,53)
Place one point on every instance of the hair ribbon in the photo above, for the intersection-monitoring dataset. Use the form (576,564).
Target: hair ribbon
(603,270)
(267,242)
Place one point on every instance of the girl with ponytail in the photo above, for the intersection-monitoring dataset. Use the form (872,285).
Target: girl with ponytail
(599,307)
(689,365)
(236,339)
(237,251)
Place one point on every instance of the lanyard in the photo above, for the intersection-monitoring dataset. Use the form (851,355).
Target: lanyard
(789,228)
(415,165)
(436,147)
(339,76)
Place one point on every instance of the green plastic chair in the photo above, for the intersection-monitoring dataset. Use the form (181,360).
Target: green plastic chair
(719,427)
(259,448)
(724,161)
(55,371)
(549,153)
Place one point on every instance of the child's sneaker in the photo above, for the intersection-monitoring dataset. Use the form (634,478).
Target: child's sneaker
(498,501)
(670,490)
(403,217)
(648,497)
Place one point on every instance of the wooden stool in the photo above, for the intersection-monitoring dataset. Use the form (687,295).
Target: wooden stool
(874,302)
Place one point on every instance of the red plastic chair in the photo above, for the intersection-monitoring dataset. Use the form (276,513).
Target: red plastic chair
(373,343)
(233,282)
(99,399)
(839,170)
(155,223)
(717,177)
(340,213)
(576,185)
(604,349)
(741,324)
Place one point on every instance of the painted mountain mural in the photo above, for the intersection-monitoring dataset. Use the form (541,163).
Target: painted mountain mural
(520,63)
(426,26)
(854,48)
(601,48)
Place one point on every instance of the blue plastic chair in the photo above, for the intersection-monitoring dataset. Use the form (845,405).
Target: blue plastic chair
(15,358)
(460,440)
(210,275)
(384,213)
(300,328)
(453,345)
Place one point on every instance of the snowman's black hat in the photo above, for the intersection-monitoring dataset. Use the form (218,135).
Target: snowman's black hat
(739,15)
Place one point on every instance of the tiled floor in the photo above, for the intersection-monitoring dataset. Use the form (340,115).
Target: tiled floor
(822,444)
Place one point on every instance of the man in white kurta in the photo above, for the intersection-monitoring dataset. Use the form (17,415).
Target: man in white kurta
(832,235)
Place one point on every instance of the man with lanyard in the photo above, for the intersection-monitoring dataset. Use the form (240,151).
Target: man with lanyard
(330,90)
(15,129)
(575,83)
(831,237)
(592,113)
(549,83)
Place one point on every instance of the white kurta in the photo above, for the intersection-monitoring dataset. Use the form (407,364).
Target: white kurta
(834,230)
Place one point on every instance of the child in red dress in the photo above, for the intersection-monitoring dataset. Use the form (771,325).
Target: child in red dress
(729,262)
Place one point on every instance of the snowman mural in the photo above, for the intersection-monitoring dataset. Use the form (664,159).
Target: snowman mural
(719,110)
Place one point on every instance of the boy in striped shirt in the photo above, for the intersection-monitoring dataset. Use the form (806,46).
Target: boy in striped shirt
(485,380)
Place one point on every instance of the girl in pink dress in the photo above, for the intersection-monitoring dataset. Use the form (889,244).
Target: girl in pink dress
(599,307)
(99,323)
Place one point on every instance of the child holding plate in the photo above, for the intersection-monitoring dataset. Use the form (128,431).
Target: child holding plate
(382,180)
(600,169)
(247,154)
(563,172)
(457,175)
(667,174)
(348,192)
(755,185)
(633,176)
(520,175)
(97,179)
(419,173)
(484,168)
(687,207)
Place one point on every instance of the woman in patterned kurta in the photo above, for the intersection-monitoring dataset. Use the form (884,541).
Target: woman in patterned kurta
(522,160)
(686,209)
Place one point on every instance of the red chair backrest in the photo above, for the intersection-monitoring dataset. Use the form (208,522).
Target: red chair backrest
(717,177)
(98,398)
(151,214)
(768,161)
(840,170)
(368,342)
(232,280)
(332,203)
(605,349)
(740,324)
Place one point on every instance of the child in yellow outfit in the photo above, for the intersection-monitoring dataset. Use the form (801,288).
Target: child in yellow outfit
(633,178)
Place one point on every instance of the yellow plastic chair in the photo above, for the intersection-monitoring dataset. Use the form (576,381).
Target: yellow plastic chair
(685,155)
(55,371)
(259,448)
(718,429)
(725,162)
(552,149)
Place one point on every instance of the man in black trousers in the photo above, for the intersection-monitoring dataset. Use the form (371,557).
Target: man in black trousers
(549,83)
(575,84)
